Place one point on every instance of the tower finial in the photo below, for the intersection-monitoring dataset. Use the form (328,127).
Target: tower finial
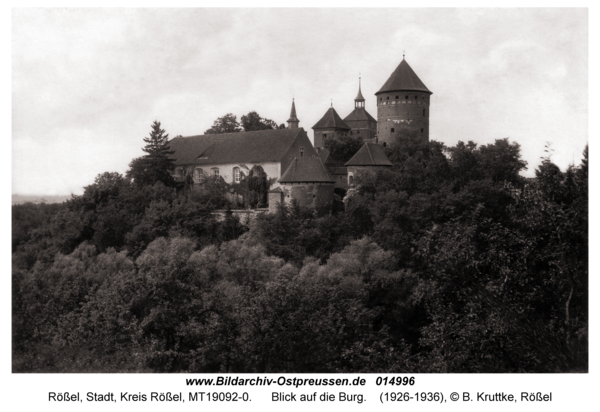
(331,102)
(403,53)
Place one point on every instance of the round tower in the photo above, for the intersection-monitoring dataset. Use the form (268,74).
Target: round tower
(403,107)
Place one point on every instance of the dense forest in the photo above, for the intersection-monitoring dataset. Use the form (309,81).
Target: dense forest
(450,261)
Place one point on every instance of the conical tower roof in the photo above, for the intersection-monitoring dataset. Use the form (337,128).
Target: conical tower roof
(403,79)
(306,170)
(371,154)
(293,117)
(331,120)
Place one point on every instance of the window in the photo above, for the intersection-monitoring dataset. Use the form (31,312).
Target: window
(406,97)
(350,180)
(301,152)
(214,172)
(388,97)
(237,177)
(416,97)
(421,130)
(384,144)
(324,135)
(392,130)
(423,112)
(396,97)
(199,175)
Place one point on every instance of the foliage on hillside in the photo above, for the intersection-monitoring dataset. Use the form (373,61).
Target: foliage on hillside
(447,262)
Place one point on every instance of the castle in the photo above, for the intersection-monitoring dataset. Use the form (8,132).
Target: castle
(299,169)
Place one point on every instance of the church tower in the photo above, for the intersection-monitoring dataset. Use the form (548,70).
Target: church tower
(362,124)
(293,120)
(403,107)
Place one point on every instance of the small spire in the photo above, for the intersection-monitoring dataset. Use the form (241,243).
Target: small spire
(293,120)
(331,102)
(359,97)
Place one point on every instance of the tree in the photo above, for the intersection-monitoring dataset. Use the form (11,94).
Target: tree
(343,148)
(225,124)
(252,121)
(156,165)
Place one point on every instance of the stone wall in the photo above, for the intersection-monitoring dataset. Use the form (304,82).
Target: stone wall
(402,115)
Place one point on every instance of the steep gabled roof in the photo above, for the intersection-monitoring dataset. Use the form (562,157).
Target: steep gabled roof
(306,170)
(403,79)
(244,147)
(331,120)
(359,113)
(371,154)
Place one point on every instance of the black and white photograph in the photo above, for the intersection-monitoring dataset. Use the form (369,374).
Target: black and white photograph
(299,191)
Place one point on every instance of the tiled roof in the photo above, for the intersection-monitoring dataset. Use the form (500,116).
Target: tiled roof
(306,170)
(331,120)
(403,79)
(244,147)
(293,117)
(359,113)
(371,154)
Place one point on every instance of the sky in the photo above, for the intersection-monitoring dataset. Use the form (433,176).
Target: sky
(88,83)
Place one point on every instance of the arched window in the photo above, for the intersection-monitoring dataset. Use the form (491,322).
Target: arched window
(237,177)
(350,180)
(392,130)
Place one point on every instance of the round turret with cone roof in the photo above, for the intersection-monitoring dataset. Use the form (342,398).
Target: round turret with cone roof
(403,107)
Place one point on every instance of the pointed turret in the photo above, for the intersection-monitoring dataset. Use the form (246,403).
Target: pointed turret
(293,120)
(403,78)
(360,100)
(361,122)
(330,126)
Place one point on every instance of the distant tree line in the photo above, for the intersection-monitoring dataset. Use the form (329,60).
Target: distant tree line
(449,261)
